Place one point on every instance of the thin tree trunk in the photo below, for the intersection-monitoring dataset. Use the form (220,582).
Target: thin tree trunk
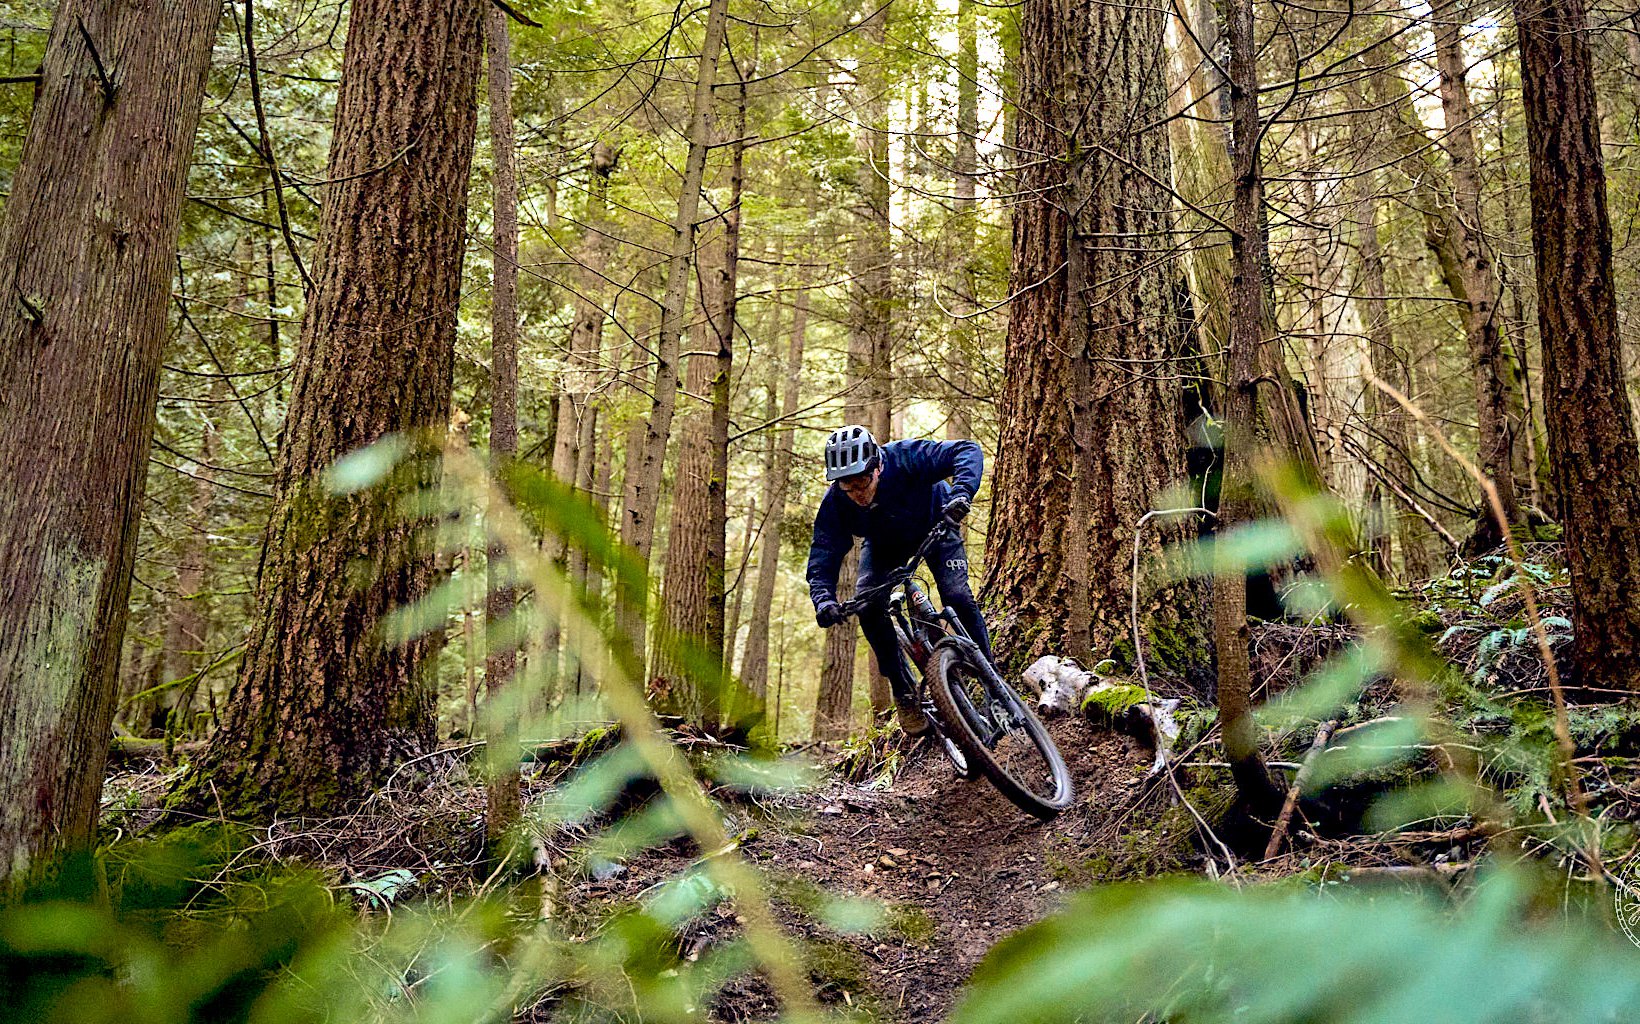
(1591,431)
(965,167)
(501,794)
(184,652)
(834,701)
(737,605)
(754,667)
(872,289)
(1247,336)
(644,477)
(86,254)
(1481,314)
(695,586)
(323,707)
(1533,460)
(1396,452)
(572,439)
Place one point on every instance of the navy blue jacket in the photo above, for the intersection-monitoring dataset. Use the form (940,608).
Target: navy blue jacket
(910,495)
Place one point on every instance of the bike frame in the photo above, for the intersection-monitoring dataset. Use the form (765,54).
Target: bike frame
(907,620)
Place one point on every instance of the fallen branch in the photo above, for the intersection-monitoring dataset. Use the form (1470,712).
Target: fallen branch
(124,748)
(1284,821)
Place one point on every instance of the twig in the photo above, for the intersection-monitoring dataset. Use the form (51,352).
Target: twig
(511,12)
(96,59)
(1285,820)
(266,151)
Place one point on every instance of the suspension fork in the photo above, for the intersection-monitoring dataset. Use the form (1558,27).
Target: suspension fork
(996,690)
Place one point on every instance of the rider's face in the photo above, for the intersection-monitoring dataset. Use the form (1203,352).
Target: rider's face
(862,487)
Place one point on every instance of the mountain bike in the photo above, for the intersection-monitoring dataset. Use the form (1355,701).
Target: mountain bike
(981,724)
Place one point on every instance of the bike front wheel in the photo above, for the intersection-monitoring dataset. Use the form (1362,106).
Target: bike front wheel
(998,734)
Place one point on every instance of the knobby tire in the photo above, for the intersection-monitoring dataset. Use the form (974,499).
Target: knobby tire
(954,708)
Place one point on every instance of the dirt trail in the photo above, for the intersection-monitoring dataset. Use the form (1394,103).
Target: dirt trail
(973,866)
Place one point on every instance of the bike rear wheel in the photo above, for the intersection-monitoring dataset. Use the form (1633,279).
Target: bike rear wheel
(998,733)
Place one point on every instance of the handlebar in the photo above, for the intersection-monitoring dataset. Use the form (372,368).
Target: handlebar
(860,602)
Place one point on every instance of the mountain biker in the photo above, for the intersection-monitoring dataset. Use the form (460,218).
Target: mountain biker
(892,495)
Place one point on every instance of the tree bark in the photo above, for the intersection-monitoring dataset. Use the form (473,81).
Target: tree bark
(1388,361)
(325,703)
(184,652)
(1497,429)
(694,589)
(1249,246)
(1092,419)
(86,253)
(1586,408)
(965,173)
(754,666)
(872,273)
(501,794)
(643,478)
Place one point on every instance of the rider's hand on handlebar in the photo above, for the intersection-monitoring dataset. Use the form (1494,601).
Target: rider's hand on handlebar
(957,508)
(828,613)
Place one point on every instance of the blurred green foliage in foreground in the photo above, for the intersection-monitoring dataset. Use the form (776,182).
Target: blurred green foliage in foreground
(135,938)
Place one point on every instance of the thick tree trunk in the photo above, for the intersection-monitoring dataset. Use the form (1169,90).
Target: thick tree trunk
(1092,425)
(754,666)
(86,254)
(1482,316)
(1591,431)
(694,587)
(325,704)
(643,478)
(1241,398)
(501,795)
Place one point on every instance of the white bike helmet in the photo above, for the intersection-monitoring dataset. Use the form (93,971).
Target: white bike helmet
(850,451)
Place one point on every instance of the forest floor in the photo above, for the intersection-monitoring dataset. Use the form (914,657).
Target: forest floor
(955,865)
(952,866)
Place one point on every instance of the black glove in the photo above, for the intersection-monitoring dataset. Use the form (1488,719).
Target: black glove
(828,613)
(957,508)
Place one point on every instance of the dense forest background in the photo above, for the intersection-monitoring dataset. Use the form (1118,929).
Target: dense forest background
(382,380)
(876,190)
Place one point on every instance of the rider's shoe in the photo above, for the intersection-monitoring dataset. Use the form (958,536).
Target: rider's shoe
(913,722)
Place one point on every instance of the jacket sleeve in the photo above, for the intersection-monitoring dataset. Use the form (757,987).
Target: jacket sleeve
(962,461)
(829,546)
